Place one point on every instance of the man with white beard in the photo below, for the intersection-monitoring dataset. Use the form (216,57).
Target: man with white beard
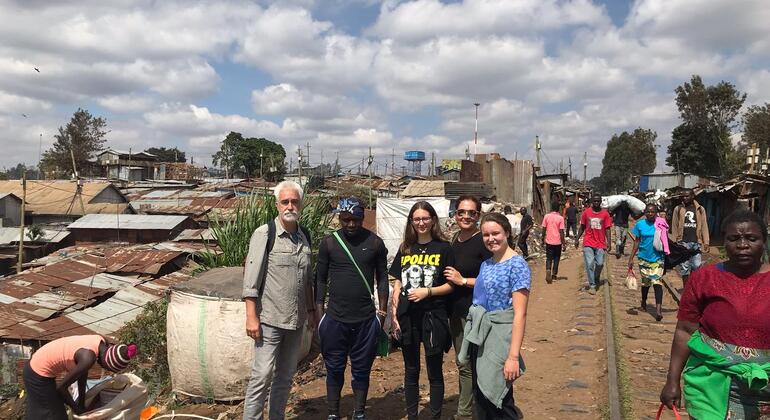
(278,290)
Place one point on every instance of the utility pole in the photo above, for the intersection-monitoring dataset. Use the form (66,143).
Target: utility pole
(23,209)
(337,164)
(78,186)
(307,158)
(261,154)
(476,130)
(537,152)
(40,158)
(393,163)
(371,159)
(570,167)
(467,152)
(299,164)
(432,164)
(585,168)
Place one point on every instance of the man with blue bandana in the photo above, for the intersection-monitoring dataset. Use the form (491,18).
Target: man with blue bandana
(351,325)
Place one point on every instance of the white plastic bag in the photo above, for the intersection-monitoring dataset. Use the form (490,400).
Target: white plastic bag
(631,281)
(127,397)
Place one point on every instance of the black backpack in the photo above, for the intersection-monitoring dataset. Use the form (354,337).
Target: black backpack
(270,242)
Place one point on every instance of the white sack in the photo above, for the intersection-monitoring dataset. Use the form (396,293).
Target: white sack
(209,353)
(128,403)
(611,202)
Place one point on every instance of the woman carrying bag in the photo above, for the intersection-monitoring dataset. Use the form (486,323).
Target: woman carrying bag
(419,305)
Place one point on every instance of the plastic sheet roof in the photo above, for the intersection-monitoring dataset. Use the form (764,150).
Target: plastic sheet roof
(127,221)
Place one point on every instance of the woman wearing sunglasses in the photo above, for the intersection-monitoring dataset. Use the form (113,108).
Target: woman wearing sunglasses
(470,252)
(419,305)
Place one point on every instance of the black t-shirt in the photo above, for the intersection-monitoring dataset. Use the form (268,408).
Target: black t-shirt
(349,300)
(620,215)
(468,258)
(526,221)
(572,214)
(423,267)
(690,231)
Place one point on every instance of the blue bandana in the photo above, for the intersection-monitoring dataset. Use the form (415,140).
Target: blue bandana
(350,205)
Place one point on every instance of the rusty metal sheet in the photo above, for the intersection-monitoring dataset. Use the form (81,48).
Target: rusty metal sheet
(71,270)
(139,261)
(44,279)
(20,289)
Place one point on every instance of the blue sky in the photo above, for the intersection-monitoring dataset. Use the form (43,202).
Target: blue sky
(346,75)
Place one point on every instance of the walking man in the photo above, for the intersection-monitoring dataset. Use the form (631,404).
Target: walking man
(278,290)
(620,220)
(526,224)
(689,226)
(595,222)
(349,262)
(553,241)
(570,214)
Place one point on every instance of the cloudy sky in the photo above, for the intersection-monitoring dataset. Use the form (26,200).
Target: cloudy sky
(346,75)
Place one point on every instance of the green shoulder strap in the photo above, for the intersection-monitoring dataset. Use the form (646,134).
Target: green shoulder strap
(353,260)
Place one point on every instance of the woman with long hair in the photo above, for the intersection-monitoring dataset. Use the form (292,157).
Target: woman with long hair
(469,253)
(419,304)
(496,321)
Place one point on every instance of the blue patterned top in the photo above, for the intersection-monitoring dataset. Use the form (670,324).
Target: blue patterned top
(496,282)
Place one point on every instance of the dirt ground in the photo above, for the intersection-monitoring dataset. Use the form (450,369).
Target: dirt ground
(564,352)
(645,343)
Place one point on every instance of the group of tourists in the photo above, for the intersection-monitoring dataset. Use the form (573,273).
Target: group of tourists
(469,291)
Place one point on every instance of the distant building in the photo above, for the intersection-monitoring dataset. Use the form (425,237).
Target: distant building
(10,209)
(131,228)
(59,201)
(127,166)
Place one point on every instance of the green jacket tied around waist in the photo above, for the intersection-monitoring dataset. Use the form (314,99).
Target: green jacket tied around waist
(491,332)
(707,378)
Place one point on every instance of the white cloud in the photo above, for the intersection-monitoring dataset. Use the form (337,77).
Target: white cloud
(127,104)
(425,19)
(315,55)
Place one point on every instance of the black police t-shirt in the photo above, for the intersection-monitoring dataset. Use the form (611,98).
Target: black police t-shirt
(468,258)
(423,267)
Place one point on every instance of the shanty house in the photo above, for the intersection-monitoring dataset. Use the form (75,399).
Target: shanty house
(60,201)
(118,164)
(132,228)
(10,209)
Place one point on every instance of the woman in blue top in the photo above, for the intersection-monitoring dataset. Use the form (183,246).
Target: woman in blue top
(650,259)
(503,283)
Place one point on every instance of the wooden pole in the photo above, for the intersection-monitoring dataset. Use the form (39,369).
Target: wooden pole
(21,228)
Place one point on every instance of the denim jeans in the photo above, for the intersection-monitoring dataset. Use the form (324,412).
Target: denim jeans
(694,262)
(594,261)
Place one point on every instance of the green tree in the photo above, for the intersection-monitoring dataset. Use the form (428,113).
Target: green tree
(627,155)
(84,135)
(701,144)
(167,155)
(20,168)
(238,153)
(756,126)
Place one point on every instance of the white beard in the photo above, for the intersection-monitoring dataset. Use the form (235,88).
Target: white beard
(289,217)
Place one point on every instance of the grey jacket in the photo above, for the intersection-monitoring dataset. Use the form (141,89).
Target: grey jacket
(491,332)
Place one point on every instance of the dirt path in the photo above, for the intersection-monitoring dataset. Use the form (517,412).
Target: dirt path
(563,350)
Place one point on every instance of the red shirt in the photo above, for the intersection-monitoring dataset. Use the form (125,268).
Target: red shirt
(595,225)
(728,308)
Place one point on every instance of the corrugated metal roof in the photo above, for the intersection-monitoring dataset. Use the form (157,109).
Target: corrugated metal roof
(7,194)
(476,189)
(59,198)
(11,234)
(127,221)
(195,235)
(418,188)
(59,299)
